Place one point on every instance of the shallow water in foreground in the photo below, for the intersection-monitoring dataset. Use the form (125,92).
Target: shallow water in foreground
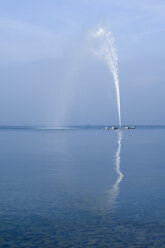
(82,187)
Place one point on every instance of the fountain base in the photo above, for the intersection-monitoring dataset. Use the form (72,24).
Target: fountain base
(125,127)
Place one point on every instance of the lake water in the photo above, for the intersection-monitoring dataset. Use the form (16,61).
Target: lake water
(82,187)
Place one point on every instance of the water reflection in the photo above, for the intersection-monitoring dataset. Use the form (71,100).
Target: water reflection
(114,191)
(86,171)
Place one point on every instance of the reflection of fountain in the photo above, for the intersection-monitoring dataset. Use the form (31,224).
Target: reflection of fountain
(92,187)
(114,191)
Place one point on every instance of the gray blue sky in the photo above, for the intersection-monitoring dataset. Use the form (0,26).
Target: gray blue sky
(48,75)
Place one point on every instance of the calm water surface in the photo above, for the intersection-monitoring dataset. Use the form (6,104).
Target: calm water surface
(82,187)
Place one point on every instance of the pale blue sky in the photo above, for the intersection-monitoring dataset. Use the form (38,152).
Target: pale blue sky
(49,77)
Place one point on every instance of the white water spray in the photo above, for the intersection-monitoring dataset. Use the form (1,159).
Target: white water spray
(105,47)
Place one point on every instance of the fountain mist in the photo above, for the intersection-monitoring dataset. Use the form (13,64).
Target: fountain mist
(105,47)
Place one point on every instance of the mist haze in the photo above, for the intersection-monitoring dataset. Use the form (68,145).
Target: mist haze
(49,76)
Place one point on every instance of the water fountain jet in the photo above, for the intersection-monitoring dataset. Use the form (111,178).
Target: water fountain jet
(107,50)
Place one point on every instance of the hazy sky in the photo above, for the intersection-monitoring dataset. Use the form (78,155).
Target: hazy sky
(49,76)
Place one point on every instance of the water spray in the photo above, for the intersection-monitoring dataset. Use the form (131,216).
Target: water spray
(107,50)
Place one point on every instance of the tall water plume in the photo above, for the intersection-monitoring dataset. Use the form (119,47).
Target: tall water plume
(105,47)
